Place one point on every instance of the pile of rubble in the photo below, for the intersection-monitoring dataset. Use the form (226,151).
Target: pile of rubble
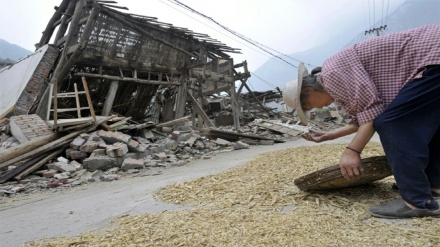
(116,151)
(111,155)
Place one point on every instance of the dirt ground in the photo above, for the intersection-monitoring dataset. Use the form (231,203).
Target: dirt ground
(93,206)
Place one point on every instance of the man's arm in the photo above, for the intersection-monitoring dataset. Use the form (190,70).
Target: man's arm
(350,162)
(320,136)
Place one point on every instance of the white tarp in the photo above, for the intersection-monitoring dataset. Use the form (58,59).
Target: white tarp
(13,79)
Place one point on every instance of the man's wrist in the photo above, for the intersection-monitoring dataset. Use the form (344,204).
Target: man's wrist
(352,149)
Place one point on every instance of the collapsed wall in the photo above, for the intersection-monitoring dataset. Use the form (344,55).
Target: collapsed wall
(22,82)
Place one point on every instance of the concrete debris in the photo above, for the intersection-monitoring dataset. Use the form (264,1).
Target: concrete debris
(107,156)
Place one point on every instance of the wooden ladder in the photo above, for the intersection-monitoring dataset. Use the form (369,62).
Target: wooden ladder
(59,124)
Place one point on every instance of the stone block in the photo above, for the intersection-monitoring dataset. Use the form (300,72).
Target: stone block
(99,151)
(77,142)
(75,164)
(78,155)
(132,164)
(240,145)
(222,142)
(89,146)
(118,149)
(99,163)
(61,166)
(50,173)
(113,137)
(135,146)
(161,156)
(175,134)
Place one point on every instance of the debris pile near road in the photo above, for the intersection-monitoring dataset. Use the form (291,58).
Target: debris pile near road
(107,155)
(119,147)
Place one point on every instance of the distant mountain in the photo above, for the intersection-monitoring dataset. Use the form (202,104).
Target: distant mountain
(11,51)
(411,14)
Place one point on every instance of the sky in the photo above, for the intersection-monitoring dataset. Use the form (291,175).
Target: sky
(286,26)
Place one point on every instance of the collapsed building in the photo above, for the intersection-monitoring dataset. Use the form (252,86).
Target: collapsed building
(95,64)
(129,65)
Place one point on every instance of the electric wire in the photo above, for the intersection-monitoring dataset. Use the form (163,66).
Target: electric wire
(381,18)
(229,36)
(374,12)
(249,40)
(265,81)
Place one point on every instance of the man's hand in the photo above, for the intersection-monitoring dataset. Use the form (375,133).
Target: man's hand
(316,136)
(350,164)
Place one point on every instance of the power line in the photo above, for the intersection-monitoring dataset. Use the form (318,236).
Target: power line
(268,83)
(377,30)
(229,36)
(250,41)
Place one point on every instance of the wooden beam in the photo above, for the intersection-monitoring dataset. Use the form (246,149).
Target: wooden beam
(200,111)
(47,33)
(35,166)
(181,96)
(126,79)
(235,109)
(89,99)
(52,145)
(13,152)
(110,98)
(210,87)
(93,60)
(198,73)
(174,122)
(255,97)
(64,21)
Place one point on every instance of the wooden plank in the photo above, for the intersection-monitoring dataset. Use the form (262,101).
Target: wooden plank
(235,136)
(52,145)
(200,111)
(71,109)
(280,129)
(70,95)
(126,79)
(73,121)
(180,101)
(111,94)
(55,104)
(48,31)
(67,17)
(13,152)
(39,159)
(61,41)
(38,164)
(49,105)
(77,100)
(235,107)
(89,100)
(174,122)
(121,122)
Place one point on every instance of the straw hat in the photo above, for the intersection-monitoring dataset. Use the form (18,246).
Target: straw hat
(292,92)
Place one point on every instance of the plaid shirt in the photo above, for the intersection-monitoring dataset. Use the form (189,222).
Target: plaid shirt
(365,78)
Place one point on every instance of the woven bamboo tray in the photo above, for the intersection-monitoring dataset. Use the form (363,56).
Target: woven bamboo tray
(375,168)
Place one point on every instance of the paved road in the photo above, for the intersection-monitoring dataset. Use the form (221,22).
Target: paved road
(92,207)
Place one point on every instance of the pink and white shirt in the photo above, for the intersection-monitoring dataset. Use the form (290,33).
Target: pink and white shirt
(365,78)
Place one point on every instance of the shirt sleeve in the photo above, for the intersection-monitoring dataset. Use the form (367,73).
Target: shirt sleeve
(351,86)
